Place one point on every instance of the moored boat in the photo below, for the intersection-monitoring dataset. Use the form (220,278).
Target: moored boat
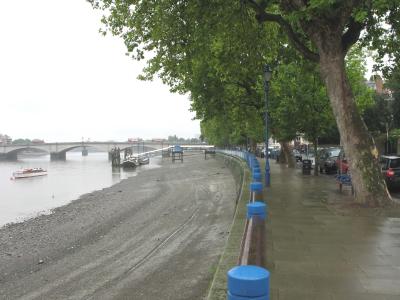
(144,160)
(29,172)
(130,162)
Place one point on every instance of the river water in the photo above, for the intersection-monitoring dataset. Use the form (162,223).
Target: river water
(66,181)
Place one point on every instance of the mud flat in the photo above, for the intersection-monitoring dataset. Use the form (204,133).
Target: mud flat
(154,236)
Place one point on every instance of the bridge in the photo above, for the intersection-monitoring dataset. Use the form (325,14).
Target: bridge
(58,151)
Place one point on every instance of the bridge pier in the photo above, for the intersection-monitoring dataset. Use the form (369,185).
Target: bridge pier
(9,156)
(58,156)
(84,151)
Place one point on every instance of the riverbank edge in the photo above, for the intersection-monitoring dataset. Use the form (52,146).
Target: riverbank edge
(230,254)
(50,211)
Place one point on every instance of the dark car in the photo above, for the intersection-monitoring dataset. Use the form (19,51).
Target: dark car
(391,170)
(327,159)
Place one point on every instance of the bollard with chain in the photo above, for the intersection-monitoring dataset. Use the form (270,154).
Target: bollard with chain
(257,177)
(256,190)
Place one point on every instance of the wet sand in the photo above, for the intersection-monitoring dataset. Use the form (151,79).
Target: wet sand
(154,236)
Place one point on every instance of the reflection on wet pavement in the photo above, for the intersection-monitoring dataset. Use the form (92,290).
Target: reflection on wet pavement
(316,252)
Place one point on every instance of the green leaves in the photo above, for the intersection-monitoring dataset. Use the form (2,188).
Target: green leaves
(215,51)
(299,103)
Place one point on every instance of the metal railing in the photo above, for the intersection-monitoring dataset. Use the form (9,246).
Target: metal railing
(169,148)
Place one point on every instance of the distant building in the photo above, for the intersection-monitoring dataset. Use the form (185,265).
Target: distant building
(134,140)
(37,141)
(5,139)
(376,82)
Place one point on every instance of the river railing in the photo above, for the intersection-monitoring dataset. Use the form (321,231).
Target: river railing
(250,278)
(157,152)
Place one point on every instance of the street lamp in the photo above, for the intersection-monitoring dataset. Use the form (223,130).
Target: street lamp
(267,78)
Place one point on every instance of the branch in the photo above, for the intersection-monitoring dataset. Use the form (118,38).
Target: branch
(263,16)
(352,34)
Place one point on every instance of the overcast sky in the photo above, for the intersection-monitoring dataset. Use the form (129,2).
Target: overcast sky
(60,80)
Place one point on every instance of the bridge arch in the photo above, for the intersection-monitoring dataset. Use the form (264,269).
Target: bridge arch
(97,147)
(13,154)
(59,150)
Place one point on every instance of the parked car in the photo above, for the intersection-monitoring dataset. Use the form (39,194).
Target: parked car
(309,155)
(274,152)
(327,159)
(297,155)
(391,170)
(342,164)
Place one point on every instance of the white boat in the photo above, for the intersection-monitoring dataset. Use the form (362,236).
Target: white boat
(30,172)
(130,162)
(144,160)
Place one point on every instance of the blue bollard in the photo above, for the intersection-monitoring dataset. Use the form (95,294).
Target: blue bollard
(257,176)
(256,208)
(248,283)
(256,189)
(256,170)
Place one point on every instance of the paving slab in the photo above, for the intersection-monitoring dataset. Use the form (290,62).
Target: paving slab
(318,247)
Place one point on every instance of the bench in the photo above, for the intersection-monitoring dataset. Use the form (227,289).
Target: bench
(344,180)
(177,153)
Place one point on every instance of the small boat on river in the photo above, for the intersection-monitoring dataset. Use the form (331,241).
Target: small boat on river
(29,172)
(130,162)
(144,160)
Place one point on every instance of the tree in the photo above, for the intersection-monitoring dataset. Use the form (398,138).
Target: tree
(21,142)
(394,85)
(323,31)
(181,34)
(378,115)
(299,99)
(217,132)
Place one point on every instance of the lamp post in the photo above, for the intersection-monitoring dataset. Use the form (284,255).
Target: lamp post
(267,78)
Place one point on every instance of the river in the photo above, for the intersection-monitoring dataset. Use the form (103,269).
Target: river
(66,181)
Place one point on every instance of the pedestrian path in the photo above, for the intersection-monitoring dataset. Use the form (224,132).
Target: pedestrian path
(315,251)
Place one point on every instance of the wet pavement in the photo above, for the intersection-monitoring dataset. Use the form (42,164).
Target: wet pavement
(320,247)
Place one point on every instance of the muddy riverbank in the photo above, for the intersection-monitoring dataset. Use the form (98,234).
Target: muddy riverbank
(153,236)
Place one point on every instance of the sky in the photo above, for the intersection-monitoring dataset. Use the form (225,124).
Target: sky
(61,80)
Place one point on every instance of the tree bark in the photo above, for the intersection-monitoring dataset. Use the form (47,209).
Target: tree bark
(359,146)
(282,156)
(289,159)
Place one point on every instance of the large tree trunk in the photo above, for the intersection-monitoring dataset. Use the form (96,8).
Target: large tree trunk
(282,156)
(289,159)
(369,185)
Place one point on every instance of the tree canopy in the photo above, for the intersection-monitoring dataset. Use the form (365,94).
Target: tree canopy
(215,50)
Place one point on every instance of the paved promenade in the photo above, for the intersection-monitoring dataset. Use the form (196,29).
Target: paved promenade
(318,247)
